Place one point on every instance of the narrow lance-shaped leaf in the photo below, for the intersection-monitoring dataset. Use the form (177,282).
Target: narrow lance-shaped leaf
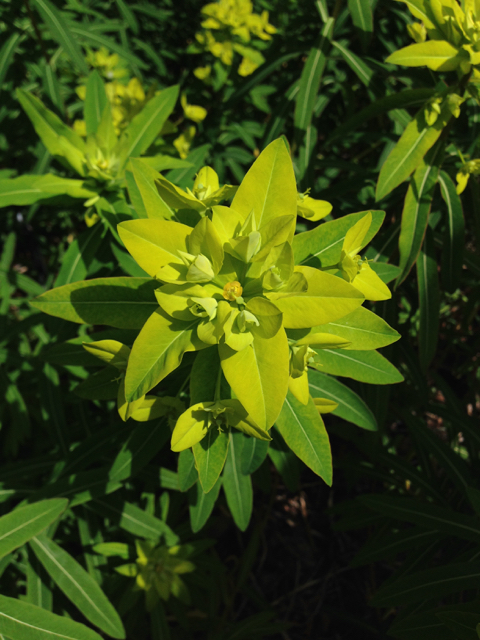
(201,504)
(7,53)
(362,18)
(125,303)
(28,189)
(311,78)
(61,33)
(416,210)
(146,125)
(350,406)
(438,55)
(429,301)
(454,238)
(303,430)
(364,366)
(237,486)
(95,102)
(20,619)
(78,586)
(409,152)
(22,524)
(210,455)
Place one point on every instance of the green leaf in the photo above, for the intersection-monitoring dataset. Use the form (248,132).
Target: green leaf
(386,272)
(146,125)
(210,455)
(362,328)
(361,68)
(388,546)
(23,523)
(258,376)
(125,303)
(322,246)
(201,504)
(284,461)
(454,238)
(429,301)
(269,188)
(59,139)
(157,351)
(425,515)
(6,54)
(421,626)
(303,430)
(152,202)
(92,37)
(350,406)
(80,255)
(95,102)
(23,620)
(437,55)
(184,177)
(462,623)
(431,583)
(236,485)
(365,366)
(61,33)
(187,474)
(254,452)
(30,189)
(402,99)
(128,15)
(132,519)
(311,78)
(362,18)
(78,586)
(416,210)
(408,154)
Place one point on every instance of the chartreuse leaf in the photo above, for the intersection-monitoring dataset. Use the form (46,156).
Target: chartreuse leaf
(21,620)
(236,485)
(431,583)
(78,586)
(365,366)
(201,504)
(210,455)
(269,188)
(258,375)
(157,351)
(20,525)
(147,124)
(322,246)
(95,102)
(350,406)
(303,430)
(59,139)
(429,301)
(30,189)
(363,329)
(409,152)
(154,243)
(437,55)
(145,178)
(61,33)
(362,18)
(453,242)
(326,299)
(125,303)
(416,210)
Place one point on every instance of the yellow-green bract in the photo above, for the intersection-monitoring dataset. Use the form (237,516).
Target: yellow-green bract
(228,285)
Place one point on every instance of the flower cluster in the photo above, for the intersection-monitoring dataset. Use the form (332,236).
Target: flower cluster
(229,26)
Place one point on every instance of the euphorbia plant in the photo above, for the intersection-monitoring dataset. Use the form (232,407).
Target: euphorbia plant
(100,161)
(255,302)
